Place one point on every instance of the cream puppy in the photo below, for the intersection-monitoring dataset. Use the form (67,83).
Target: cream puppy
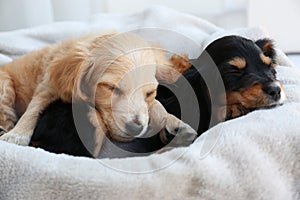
(116,72)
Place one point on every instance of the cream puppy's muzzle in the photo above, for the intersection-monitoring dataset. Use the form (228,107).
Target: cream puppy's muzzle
(134,118)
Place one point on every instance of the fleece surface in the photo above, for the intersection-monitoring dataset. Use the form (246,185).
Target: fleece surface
(256,156)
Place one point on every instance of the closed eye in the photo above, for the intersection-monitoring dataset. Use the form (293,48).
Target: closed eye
(112,88)
(234,71)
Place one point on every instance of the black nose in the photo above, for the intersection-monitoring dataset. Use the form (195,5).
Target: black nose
(273,91)
(134,128)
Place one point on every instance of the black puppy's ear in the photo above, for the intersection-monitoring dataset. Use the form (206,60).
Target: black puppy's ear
(267,47)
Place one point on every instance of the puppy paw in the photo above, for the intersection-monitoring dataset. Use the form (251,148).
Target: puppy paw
(182,133)
(20,139)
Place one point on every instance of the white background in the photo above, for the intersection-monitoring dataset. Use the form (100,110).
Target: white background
(280,17)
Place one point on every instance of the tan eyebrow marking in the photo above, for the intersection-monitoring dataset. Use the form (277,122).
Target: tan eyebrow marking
(238,62)
(265,59)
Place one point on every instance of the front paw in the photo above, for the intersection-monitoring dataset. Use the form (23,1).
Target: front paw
(184,135)
(20,139)
(178,133)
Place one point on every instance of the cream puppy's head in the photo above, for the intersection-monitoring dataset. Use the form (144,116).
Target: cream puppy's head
(120,77)
(124,101)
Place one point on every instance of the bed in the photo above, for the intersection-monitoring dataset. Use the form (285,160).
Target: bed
(256,156)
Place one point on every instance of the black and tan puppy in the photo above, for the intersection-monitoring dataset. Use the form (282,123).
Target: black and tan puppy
(248,72)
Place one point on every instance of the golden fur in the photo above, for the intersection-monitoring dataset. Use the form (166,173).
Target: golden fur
(117,73)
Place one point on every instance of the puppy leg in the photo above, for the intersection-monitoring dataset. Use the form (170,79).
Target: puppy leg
(22,132)
(100,130)
(182,132)
(8,116)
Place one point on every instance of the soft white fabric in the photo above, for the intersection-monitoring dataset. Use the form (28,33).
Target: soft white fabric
(256,156)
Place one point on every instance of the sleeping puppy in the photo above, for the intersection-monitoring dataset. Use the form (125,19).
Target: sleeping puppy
(248,72)
(246,67)
(116,73)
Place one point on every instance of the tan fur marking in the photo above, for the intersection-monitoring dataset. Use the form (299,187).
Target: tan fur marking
(238,62)
(252,97)
(265,59)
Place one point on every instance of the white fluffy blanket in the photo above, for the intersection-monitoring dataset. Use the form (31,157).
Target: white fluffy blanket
(253,157)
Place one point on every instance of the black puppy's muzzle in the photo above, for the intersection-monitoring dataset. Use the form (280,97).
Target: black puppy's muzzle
(273,91)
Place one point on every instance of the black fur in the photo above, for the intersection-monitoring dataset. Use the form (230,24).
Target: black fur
(56,132)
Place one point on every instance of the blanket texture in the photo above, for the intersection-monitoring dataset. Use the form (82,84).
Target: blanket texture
(256,156)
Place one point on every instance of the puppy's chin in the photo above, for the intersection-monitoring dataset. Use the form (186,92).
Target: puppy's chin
(119,135)
(123,137)
(280,102)
(143,133)
(282,96)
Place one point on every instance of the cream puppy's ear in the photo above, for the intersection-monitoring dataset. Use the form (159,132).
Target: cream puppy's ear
(69,72)
(83,87)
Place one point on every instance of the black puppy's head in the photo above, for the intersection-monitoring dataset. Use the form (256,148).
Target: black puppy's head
(248,71)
